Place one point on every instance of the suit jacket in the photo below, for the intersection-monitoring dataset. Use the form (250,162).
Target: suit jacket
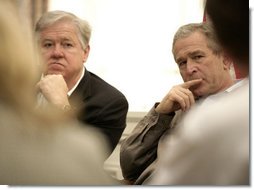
(101,106)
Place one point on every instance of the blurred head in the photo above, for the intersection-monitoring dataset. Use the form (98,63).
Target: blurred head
(18,68)
(198,55)
(230,19)
(63,40)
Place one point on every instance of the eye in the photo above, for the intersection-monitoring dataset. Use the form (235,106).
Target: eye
(182,63)
(67,45)
(197,57)
(47,45)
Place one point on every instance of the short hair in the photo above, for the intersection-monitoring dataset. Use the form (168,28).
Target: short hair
(52,17)
(206,29)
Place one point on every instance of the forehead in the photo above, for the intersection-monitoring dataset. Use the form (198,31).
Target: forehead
(195,41)
(59,30)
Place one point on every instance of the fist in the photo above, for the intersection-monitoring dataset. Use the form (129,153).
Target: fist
(179,97)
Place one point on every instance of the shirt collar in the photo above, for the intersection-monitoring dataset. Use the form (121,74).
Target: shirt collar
(75,86)
(237,84)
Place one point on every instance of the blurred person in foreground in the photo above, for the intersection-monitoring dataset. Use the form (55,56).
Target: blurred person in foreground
(205,69)
(212,145)
(63,40)
(37,147)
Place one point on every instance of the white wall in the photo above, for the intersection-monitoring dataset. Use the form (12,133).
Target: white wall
(131,43)
(131,49)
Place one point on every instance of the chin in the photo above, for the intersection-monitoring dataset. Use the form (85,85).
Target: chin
(198,93)
(54,72)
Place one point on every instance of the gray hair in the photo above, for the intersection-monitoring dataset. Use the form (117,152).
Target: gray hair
(52,17)
(204,28)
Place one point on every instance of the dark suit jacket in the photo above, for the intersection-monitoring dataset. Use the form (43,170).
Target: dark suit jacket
(101,106)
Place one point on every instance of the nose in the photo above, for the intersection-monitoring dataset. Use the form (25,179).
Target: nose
(57,51)
(191,67)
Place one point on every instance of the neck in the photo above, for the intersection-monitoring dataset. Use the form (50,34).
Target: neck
(71,84)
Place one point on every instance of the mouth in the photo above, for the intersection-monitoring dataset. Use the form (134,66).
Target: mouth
(55,66)
(56,63)
(195,87)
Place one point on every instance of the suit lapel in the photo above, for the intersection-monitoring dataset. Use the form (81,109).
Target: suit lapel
(83,90)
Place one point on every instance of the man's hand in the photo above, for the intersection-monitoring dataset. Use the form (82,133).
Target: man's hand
(54,89)
(179,97)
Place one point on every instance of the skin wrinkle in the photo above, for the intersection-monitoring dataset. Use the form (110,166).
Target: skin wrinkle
(195,60)
(58,36)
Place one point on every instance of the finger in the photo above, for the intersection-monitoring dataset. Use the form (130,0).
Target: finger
(188,96)
(192,98)
(183,99)
(191,83)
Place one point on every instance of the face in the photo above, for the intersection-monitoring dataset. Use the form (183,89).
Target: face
(195,60)
(62,51)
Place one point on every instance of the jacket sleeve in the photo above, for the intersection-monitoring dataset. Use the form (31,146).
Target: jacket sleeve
(139,150)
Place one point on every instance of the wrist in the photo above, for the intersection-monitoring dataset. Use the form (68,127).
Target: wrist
(157,110)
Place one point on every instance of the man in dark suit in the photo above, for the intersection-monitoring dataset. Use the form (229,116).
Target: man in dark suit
(102,106)
(63,40)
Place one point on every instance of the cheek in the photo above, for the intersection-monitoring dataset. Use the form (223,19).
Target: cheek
(74,61)
(183,75)
(202,89)
(45,54)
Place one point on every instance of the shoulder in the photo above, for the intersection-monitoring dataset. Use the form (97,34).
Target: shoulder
(98,84)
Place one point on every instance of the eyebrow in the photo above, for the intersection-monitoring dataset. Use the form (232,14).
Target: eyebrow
(178,60)
(196,52)
(67,39)
(61,39)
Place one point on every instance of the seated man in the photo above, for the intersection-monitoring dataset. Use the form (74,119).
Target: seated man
(205,69)
(63,41)
(211,145)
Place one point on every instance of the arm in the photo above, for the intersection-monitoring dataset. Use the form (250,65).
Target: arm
(139,150)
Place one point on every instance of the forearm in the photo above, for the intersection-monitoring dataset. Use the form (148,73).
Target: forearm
(139,150)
